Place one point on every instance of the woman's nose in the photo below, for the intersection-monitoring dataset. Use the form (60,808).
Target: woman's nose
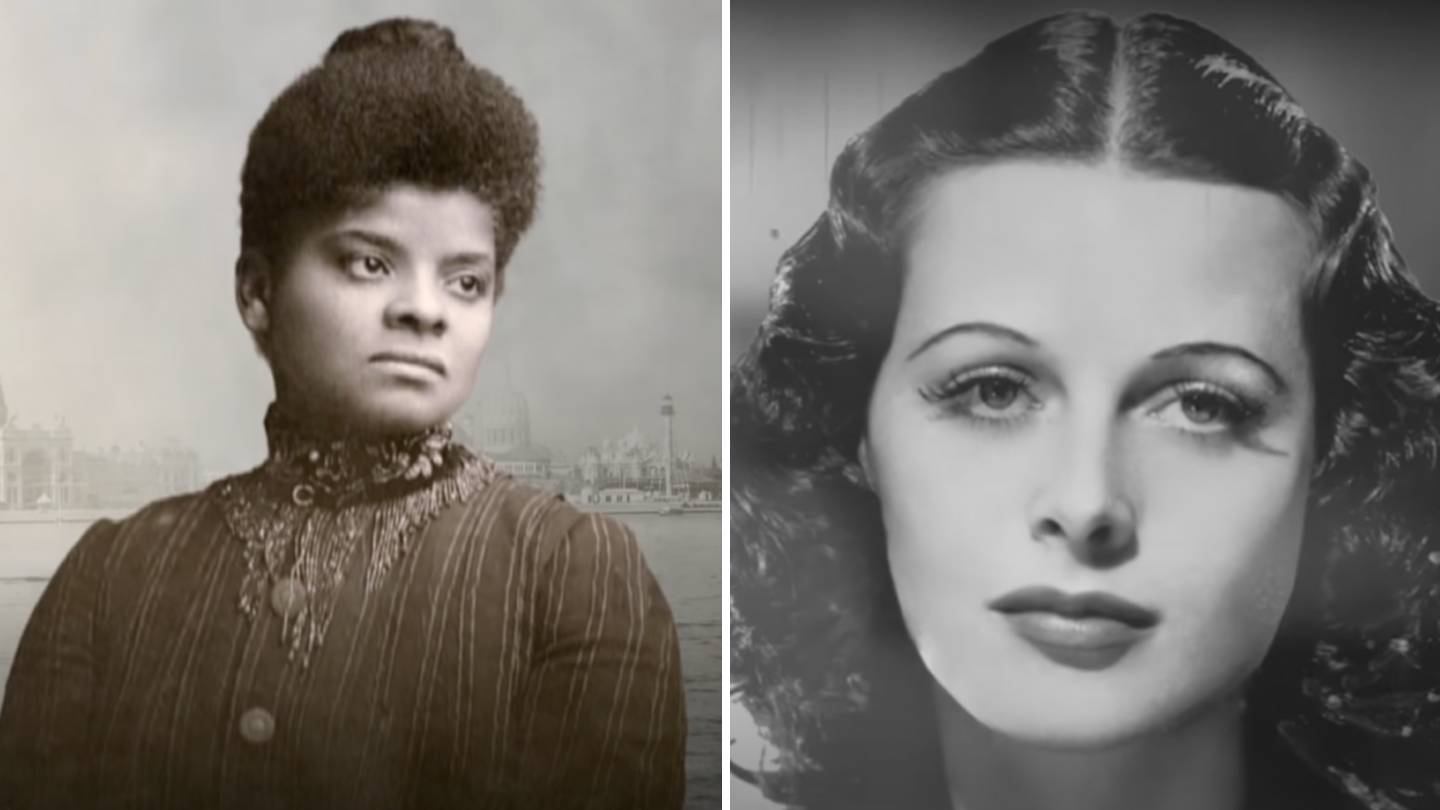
(417,305)
(1082,502)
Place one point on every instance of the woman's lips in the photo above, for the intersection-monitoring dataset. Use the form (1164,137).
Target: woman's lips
(1085,631)
(411,360)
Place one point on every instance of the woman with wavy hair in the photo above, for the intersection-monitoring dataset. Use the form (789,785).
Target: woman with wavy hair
(1086,457)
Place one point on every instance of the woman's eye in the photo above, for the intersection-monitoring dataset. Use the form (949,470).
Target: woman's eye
(995,395)
(1204,409)
(471,286)
(365,266)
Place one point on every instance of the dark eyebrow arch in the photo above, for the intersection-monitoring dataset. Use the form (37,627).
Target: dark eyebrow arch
(994,330)
(381,241)
(483,260)
(393,247)
(1212,349)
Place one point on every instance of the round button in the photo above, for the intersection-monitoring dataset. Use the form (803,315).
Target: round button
(257,726)
(287,597)
(303,495)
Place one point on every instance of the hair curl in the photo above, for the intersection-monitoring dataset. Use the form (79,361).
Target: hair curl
(819,653)
(395,101)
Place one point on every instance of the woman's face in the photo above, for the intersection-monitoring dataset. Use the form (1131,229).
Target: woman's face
(1092,441)
(381,315)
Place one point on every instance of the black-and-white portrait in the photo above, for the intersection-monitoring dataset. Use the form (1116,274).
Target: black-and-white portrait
(1085,406)
(360,435)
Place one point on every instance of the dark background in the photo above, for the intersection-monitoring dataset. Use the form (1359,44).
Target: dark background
(1369,74)
(807,76)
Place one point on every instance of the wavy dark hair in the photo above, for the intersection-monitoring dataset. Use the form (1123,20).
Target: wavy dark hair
(820,657)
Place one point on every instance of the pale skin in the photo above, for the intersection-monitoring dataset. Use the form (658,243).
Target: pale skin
(380,315)
(1097,382)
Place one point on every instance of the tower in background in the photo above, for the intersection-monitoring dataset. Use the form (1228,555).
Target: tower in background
(667,412)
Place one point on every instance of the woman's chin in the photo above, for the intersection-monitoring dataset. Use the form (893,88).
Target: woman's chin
(1077,723)
(398,413)
(1079,736)
(401,421)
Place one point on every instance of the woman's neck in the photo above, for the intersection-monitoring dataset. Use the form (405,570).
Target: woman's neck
(1198,765)
(327,425)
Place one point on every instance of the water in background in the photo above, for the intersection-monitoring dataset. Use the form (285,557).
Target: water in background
(30,552)
(683,551)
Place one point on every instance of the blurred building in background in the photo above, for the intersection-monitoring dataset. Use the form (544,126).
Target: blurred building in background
(41,469)
(630,468)
(497,423)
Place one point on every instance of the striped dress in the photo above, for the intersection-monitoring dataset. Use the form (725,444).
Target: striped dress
(519,654)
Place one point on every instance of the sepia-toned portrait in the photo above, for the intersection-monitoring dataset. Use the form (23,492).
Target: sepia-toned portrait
(360,436)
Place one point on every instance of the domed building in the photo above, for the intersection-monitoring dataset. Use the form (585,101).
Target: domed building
(496,422)
(503,419)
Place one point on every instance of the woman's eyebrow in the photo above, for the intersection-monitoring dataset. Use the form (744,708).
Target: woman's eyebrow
(372,238)
(464,258)
(470,259)
(994,330)
(1213,349)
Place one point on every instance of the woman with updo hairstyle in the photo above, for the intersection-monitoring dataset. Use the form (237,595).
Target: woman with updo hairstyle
(375,616)
(1086,456)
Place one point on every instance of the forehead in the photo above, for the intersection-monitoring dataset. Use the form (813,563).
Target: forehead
(417,218)
(420,212)
(1071,250)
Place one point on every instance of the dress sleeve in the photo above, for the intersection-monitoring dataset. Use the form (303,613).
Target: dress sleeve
(605,707)
(45,721)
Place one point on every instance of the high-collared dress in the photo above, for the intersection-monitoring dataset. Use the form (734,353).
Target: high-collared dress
(350,625)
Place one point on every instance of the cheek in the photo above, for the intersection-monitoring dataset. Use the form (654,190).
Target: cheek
(308,315)
(472,333)
(954,512)
(468,339)
(1226,540)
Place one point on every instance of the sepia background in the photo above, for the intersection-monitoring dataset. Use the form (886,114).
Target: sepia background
(125,373)
(807,76)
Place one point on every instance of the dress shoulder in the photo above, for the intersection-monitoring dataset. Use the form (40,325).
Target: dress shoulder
(159,513)
(165,510)
(532,514)
(556,532)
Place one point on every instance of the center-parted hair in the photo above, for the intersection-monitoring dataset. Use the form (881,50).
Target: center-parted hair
(392,102)
(820,655)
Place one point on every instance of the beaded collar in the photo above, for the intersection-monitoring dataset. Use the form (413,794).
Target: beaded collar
(316,499)
(338,470)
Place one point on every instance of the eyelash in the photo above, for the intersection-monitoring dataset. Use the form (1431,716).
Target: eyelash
(481,288)
(951,394)
(356,266)
(1239,415)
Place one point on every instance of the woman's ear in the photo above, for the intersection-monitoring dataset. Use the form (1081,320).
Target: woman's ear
(861,472)
(254,286)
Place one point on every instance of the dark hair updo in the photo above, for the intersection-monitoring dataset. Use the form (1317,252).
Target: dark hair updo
(392,102)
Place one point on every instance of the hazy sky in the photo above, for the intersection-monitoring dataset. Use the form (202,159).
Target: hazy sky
(1368,72)
(123,131)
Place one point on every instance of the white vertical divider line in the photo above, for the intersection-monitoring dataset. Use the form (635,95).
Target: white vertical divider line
(725,201)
